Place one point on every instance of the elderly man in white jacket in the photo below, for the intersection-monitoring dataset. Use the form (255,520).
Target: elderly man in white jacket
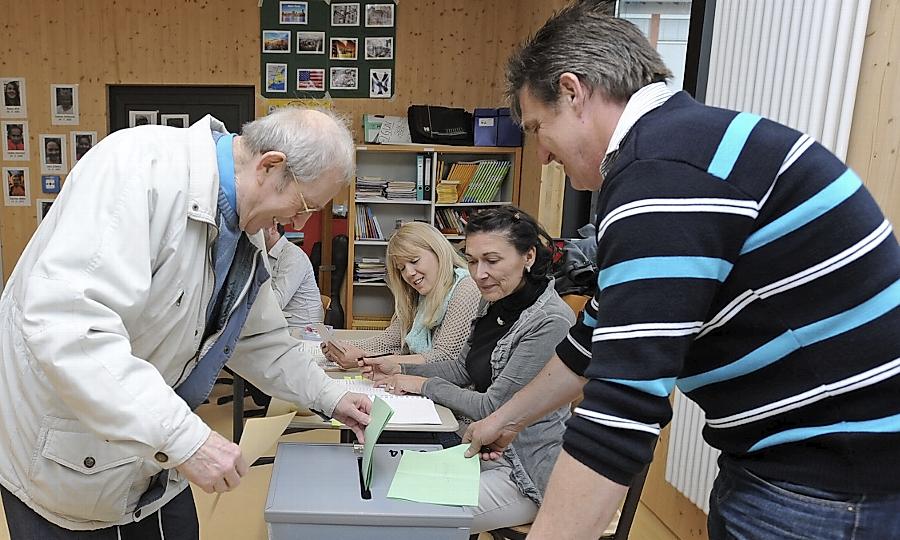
(145,278)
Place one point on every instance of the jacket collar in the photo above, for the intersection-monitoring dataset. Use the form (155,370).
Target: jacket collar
(203,183)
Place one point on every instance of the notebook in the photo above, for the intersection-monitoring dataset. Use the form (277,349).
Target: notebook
(408,409)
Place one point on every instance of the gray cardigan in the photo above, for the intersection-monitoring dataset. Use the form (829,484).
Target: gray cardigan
(517,358)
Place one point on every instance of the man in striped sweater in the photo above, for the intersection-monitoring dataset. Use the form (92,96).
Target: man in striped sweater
(740,261)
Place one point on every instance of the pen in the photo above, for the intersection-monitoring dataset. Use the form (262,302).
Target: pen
(376,355)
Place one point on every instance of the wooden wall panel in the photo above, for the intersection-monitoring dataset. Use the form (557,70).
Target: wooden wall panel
(448,53)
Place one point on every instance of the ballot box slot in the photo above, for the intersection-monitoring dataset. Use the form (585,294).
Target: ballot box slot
(363,491)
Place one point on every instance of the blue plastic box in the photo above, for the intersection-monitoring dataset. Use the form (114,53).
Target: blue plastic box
(485,127)
(509,133)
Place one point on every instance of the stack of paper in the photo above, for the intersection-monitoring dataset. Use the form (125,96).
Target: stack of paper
(442,477)
(408,409)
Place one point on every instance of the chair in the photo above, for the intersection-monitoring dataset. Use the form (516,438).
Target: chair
(576,302)
(326,302)
(626,519)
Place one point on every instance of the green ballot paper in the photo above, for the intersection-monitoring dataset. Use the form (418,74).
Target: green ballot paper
(378,418)
(442,477)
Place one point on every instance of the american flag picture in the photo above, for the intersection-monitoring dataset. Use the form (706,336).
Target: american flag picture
(311,79)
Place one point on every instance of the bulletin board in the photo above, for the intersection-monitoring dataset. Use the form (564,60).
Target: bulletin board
(319,49)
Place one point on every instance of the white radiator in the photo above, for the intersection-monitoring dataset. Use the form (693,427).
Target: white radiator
(691,463)
(793,61)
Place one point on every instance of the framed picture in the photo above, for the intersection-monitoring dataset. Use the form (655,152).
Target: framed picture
(142,118)
(12,104)
(82,141)
(344,78)
(379,83)
(43,206)
(175,120)
(292,12)
(53,154)
(311,80)
(310,42)
(64,104)
(16,190)
(276,78)
(276,41)
(344,48)
(379,15)
(344,14)
(15,147)
(379,48)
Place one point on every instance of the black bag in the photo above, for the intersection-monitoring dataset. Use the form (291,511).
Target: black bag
(440,125)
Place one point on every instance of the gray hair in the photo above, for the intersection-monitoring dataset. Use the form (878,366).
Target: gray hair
(605,53)
(315,142)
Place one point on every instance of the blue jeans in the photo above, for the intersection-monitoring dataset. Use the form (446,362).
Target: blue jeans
(743,506)
(177,520)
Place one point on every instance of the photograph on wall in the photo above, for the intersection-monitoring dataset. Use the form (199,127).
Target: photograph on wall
(82,141)
(17,191)
(53,154)
(344,14)
(43,207)
(379,48)
(276,41)
(379,15)
(276,78)
(51,183)
(292,12)
(142,118)
(64,104)
(311,80)
(175,120)
(379,83)
(343,48)
(13,103)
(344,78)
(16,146)
(310,42)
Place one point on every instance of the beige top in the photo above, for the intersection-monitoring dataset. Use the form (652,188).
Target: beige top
(448,337)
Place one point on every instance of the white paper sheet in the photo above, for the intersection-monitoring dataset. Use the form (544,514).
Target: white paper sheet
(408,409)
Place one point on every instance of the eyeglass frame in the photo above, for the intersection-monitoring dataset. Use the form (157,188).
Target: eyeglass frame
(306,208)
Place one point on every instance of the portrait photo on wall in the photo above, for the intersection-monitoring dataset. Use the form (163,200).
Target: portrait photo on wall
(310,42)
(142,118)
(292,12)
(64,104)
(344,14)
(53,154)
(43,208)
(379,15)
(15,145)
(16,190)
(379,83)
(344,78)
(343,48)
(13,99)
(276,41)
(276,78)
(82,141)
(379,48)
(174,120)
(311,80)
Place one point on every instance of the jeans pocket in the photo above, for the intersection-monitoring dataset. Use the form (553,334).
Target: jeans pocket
(79,476)
(804,494)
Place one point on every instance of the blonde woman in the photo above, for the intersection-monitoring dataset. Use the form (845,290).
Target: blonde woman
(435,301)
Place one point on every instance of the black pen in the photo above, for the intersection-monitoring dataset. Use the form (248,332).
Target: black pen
(376,355)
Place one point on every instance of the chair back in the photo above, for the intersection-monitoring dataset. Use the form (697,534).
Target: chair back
(326,302)
(576,302)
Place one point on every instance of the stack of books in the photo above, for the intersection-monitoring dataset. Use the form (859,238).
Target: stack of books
(367,226)
(369,270)
(400,190)
(451,221)
(370,187)
(473,181)
(448,192)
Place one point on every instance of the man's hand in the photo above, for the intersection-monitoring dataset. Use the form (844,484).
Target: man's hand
(490,437)
(343,354)
(379,369)
(217,466)
(353,410)
(402,384)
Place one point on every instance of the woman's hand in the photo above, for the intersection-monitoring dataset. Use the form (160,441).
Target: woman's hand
(379,368)
(343,354)
(402,384)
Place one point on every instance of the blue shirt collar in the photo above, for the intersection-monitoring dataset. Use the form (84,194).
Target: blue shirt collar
(225,159)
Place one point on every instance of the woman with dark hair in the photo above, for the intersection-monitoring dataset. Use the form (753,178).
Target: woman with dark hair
(11,96)
(520,321)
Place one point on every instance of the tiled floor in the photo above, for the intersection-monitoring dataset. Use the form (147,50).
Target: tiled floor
(239,515)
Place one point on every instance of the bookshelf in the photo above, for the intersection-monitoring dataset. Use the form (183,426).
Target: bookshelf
(394,170)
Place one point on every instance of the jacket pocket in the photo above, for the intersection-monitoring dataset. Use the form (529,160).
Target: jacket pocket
(81,477)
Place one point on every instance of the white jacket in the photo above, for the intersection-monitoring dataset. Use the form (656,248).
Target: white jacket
(103,316)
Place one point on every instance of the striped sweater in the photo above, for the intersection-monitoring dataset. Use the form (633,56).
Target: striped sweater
(743,262)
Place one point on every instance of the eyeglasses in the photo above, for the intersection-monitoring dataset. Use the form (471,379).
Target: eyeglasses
(306,208)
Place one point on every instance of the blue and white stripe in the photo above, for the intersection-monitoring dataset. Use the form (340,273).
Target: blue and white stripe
(888,424)
(616,421)
(645,330)
(732,144)
(664,268)
(850,384)
(832,264)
